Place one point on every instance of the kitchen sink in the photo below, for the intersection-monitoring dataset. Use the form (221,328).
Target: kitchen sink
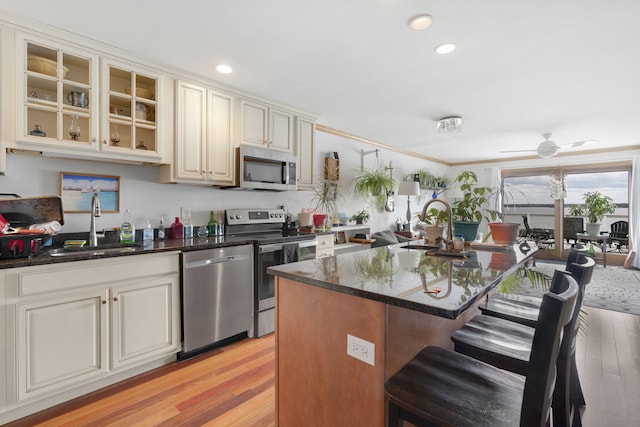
(95,251)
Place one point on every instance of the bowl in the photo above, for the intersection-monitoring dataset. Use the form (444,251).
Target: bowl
(140,92)
(44,66)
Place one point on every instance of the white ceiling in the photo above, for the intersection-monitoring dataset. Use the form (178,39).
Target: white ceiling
(570,67)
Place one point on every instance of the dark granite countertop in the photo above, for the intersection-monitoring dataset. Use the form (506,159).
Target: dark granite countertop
(195,244)
(399,276)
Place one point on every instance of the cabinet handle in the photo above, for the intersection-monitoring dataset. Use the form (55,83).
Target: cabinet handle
(115,298)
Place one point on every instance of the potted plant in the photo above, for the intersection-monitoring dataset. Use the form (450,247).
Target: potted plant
(434,219)
(502,232)
(377,184)
(471,208)
(326,193)
(360,217)
(596,206)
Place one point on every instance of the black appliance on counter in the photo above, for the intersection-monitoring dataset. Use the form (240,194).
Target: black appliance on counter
(278,243)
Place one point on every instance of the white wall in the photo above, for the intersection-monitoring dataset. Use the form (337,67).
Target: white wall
(33,175)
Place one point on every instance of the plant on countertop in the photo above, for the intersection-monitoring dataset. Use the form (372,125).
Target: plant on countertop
(325,195)
(372,183)
(473,206)
(435,217)
(360,217)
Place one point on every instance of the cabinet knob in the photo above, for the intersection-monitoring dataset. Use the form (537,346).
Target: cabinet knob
(105,142)
(104,301)
(115,298)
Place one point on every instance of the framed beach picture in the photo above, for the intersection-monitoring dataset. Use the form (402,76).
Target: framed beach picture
(77,191)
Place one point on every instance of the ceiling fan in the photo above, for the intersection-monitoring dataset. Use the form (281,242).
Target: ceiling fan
(548,148)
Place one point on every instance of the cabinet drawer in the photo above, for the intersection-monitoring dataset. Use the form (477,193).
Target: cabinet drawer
(74,274)
(325,245)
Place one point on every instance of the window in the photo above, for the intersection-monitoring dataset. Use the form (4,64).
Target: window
(531,197)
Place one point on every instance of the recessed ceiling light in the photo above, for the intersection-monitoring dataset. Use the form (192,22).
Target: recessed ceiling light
(445,48)
(224,69)
(420,22)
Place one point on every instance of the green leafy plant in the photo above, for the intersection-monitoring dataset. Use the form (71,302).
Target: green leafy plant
(373,184)
(326,194)
(473,206)
(362,216)
(435,217)
(596,206)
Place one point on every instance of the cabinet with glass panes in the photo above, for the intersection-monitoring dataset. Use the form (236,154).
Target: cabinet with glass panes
(130,96)
(57,94)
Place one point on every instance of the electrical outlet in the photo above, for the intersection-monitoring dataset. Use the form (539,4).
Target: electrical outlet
(361,349)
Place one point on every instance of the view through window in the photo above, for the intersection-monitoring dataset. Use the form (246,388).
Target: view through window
(529,195)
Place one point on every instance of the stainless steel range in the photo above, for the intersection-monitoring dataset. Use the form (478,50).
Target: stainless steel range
(278,243)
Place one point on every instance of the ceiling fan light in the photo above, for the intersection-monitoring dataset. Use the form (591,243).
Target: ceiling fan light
(547,149)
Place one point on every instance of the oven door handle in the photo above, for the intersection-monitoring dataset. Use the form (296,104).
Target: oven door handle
(270,248)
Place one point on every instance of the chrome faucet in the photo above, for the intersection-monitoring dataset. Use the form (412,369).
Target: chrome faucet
(95,212)
(449,240)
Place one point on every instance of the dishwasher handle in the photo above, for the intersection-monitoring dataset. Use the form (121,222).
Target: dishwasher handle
(211,261)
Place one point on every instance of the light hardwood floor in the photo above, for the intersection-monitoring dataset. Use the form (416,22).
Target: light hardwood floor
(234,385)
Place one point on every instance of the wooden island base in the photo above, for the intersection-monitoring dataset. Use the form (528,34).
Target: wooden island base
(317,383)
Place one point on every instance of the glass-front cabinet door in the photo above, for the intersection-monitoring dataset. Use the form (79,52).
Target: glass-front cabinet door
(130,102)
(57,95)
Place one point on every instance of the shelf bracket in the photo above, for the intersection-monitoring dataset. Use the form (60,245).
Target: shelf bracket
(366,153)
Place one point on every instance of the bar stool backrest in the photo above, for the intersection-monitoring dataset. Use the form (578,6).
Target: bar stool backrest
(555,312)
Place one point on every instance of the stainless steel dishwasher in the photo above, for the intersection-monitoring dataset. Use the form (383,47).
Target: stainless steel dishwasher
(217,297)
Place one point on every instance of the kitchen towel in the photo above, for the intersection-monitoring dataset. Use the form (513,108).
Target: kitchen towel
(290,252)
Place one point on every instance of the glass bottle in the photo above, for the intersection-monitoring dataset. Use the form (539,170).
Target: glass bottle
(74,129)
(212,225)
(458,242)
(161,229)
(177,229)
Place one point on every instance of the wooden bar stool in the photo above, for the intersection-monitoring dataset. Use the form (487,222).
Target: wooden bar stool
(439,387)
(507,345)
(524,309)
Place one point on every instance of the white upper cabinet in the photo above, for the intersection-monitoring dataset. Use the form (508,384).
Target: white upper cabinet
(78,103)
(305,139)
(204,123)
(131,110)
(264,125)
(57,95)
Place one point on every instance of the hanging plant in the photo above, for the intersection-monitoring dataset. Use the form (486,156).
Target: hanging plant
(373,185)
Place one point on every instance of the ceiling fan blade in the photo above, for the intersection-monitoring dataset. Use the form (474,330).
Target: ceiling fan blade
(517,151)
(578,143)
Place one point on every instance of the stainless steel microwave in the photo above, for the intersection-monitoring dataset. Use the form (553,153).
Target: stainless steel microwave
(261,169)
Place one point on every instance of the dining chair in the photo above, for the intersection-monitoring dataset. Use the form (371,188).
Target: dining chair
(440,387)
(619,235)
(507,345)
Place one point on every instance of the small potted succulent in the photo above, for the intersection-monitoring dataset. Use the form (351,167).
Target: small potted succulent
(360,217)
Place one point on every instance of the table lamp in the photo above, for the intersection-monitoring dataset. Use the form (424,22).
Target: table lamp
(409,188)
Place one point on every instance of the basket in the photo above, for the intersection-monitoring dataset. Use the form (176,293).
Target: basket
(44,66)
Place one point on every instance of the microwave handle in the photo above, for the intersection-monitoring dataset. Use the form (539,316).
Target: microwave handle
(285,172)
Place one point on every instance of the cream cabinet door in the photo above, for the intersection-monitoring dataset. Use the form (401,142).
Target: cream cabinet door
(220,147)
(191,134)
(144,320)
(254,118)
(280,129)
(305,138)
(131,111)
(61,342)
(57,96)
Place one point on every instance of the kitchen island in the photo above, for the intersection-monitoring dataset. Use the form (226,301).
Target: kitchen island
(398,300)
